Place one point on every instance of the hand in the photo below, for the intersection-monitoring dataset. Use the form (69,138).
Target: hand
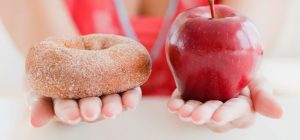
(88,109)
(238,112)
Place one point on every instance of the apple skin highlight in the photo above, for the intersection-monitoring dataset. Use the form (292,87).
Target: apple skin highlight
(213,58)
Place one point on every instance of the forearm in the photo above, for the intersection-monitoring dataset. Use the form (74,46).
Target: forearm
(29,21)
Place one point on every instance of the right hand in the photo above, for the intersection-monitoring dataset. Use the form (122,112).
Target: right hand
(90,109)
(238,112)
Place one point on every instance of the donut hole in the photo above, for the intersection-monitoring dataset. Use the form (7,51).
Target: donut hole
(91,42)
(97,44)
(87,44)
(65,68)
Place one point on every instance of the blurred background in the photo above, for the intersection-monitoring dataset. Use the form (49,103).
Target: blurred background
(277,20)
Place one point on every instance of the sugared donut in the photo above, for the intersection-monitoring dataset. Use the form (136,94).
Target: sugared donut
(91,65)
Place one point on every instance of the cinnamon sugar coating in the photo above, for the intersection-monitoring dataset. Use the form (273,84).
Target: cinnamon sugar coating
(91,65)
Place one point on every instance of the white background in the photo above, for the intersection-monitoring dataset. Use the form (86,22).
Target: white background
(151,120)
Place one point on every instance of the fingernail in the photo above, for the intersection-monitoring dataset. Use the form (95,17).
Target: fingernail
(220,122)
(72,122)
(90,116)
(130,108)
(177,103)
(184,119)
(110,117)
(173,112)
(200,122)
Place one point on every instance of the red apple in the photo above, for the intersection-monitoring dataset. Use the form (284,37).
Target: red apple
(212,58)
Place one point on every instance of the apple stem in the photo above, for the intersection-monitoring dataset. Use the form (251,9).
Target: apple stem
(212,8)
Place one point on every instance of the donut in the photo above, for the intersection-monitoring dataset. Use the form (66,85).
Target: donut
(86,66)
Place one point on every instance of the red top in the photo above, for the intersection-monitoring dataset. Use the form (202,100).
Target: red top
(99,16)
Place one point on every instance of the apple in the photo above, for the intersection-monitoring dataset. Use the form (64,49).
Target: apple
(213,52)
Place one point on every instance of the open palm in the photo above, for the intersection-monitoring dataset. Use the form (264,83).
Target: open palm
(237,112)
(88,109)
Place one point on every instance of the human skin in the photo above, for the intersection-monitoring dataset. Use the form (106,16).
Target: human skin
(53,20)
(237,112)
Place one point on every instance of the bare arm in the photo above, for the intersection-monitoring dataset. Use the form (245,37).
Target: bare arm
(29,21)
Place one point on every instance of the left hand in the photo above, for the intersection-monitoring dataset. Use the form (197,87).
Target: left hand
(237,112)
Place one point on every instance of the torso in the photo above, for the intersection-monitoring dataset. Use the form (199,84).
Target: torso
(101,17)
(145,7)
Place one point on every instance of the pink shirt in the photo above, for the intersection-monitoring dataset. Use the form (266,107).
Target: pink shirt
(100,16)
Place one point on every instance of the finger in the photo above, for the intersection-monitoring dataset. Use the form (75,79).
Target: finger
(219,128)
(233,109)
(90,108)
(111,106)
(175,102)
(247,120)
(67,110)
(204,112)
(131,98)
(41,110)
(263,100)
(245,91)
(244,122)
(187,109)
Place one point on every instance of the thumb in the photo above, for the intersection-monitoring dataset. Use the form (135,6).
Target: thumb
(263,100)
(41,110)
